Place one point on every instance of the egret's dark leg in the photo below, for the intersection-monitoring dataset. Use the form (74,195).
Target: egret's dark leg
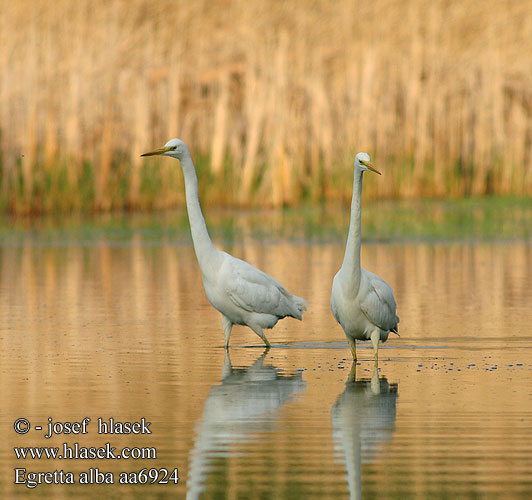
(353,347)
(260,333)
(228,326)
(375,337)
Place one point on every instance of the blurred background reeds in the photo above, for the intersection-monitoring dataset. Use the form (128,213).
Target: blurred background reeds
(274,99)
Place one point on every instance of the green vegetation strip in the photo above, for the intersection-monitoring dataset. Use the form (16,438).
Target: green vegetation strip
(491,218)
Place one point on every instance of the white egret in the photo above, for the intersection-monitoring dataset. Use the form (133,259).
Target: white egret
(361,302)
(242,293)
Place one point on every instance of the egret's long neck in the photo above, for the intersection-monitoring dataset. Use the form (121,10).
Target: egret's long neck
(351,262)
(205,250)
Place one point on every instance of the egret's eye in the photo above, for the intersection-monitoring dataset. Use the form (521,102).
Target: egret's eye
(174,148)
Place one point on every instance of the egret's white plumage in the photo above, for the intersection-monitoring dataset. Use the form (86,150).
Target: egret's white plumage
(361,302)
(242,293)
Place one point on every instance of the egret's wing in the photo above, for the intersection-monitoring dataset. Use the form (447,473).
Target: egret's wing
(378,303)
(255,291)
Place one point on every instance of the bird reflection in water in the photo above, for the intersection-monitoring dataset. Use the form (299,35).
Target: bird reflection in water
(243,408)
(363,421)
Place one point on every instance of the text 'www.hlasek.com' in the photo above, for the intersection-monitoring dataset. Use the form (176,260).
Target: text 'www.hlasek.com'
(75,451)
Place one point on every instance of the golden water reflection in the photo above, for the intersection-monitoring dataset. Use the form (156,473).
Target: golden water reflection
(124,330)
(363,421)
(242,409)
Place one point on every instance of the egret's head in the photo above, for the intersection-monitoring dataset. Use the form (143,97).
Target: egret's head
(175,148)
(362,161)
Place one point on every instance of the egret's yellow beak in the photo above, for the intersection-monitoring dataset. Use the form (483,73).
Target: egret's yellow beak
(366,164)
(158,151)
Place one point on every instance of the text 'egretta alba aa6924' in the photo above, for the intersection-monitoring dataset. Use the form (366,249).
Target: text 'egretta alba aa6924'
(242,293)
(361,302)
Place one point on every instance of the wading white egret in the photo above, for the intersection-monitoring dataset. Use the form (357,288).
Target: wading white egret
(361,302)
(242,293)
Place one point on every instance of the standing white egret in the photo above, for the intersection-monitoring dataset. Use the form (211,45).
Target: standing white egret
(242,293)
(361,302)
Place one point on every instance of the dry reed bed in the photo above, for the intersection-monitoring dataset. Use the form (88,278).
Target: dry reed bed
(274,99)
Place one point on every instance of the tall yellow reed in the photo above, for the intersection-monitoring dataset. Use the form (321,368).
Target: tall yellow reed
(274,98)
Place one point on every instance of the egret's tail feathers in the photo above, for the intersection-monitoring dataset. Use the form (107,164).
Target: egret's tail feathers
(301,303)
(295,306)
(301,306)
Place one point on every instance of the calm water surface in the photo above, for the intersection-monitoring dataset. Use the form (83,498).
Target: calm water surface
(124,330)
